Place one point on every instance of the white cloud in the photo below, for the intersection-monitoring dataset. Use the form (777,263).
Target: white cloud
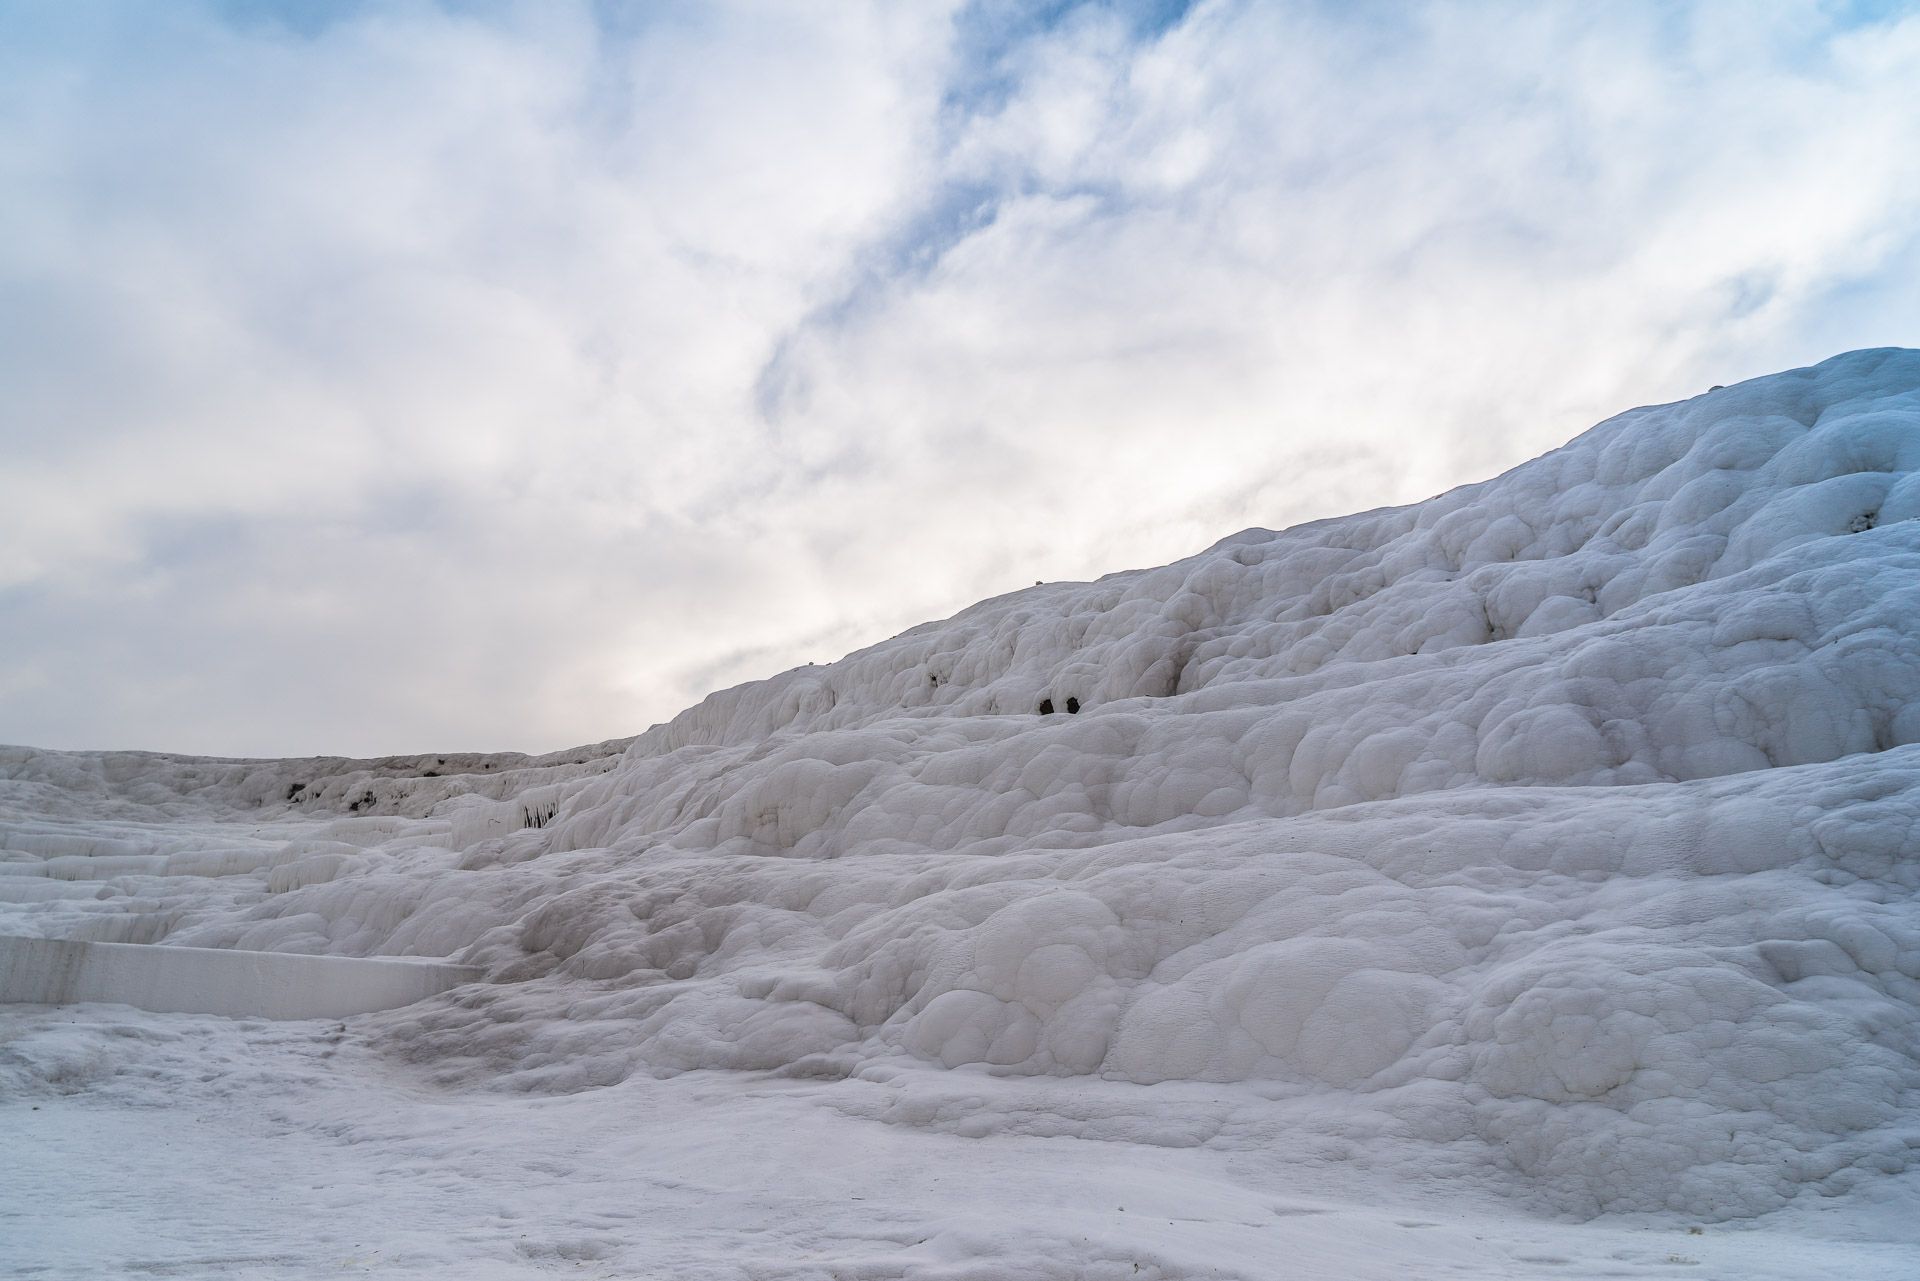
(495,376)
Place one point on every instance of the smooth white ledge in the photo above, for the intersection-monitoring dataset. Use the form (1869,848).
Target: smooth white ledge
(202,980)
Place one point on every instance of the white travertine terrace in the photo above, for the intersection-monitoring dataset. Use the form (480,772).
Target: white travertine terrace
(1571,819)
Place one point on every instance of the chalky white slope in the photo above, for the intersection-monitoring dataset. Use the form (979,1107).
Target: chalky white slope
(1552,843)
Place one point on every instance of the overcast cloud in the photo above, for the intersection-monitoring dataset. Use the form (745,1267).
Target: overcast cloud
(392,376)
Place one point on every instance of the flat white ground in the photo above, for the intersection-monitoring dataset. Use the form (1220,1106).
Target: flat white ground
(189,1146)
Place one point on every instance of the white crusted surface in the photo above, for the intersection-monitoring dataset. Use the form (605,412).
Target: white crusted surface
(1557,834)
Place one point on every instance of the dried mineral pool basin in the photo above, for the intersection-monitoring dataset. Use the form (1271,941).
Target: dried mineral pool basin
(205,980)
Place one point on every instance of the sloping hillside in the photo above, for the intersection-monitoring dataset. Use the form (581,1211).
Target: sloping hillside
(1558,835)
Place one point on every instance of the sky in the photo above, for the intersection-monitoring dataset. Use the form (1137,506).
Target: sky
(384,376)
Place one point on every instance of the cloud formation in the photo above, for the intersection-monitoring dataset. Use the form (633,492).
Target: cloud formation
(401,375)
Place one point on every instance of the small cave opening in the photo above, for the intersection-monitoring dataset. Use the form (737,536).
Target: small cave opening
(1046,707)
(1073,707)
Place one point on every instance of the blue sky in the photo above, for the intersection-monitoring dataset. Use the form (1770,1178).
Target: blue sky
(392,375)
